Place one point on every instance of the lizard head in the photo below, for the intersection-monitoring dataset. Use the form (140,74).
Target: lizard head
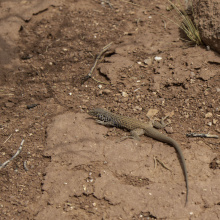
(101,114)
(96,112)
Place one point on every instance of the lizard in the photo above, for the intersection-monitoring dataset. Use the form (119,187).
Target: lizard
(138,128)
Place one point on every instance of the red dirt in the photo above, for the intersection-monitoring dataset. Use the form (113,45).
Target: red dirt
(76,168)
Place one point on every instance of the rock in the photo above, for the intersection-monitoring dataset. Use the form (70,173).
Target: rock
(209,123)
(152,112)
(207,17)
(148,61)
(9,104)
(137,108)
(208,115)
(170,114)
(206,74)
(169,130)
(158,58)
(124,94)
(214,121)
(106,91)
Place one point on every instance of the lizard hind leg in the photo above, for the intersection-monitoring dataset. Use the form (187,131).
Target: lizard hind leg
(134,134)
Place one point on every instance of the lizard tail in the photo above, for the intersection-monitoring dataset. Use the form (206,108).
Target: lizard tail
(153,133)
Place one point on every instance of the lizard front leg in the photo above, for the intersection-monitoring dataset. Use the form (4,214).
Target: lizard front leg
(161,124)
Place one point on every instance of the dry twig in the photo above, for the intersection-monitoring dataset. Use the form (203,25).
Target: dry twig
(16,154)
(25,165)
(161,163)
(202,135)
(104,49)
(7,139)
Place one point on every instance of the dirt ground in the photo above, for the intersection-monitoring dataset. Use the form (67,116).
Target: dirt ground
(73,168)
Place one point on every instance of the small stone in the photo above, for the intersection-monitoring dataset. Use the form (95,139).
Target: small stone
(158,58)
(192,74)
(214,121)
(148,61)
(209,123)
(206,74)
(124,94)
(169,130)
(9,104)
(170,114)
(186,115)
(123,75)
(137,108)
(161,100)
(208,115)
(99,92)
(206,93)
(106,91)
(152,112)
(125,99)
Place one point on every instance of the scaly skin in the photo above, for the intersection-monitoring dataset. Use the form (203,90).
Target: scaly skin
(138,128)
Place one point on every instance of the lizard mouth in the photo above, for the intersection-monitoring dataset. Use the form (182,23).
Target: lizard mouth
(95,112)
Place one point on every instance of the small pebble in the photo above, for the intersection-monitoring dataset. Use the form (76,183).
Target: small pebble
(158,58)
(106,91)
(209,123)
(208,115)
(169,130)
(124,94)
(148,61)
(214,121)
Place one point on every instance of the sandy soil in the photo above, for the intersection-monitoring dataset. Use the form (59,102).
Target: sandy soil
(75,168)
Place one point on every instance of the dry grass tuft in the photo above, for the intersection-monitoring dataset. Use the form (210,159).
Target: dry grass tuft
(184,22)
